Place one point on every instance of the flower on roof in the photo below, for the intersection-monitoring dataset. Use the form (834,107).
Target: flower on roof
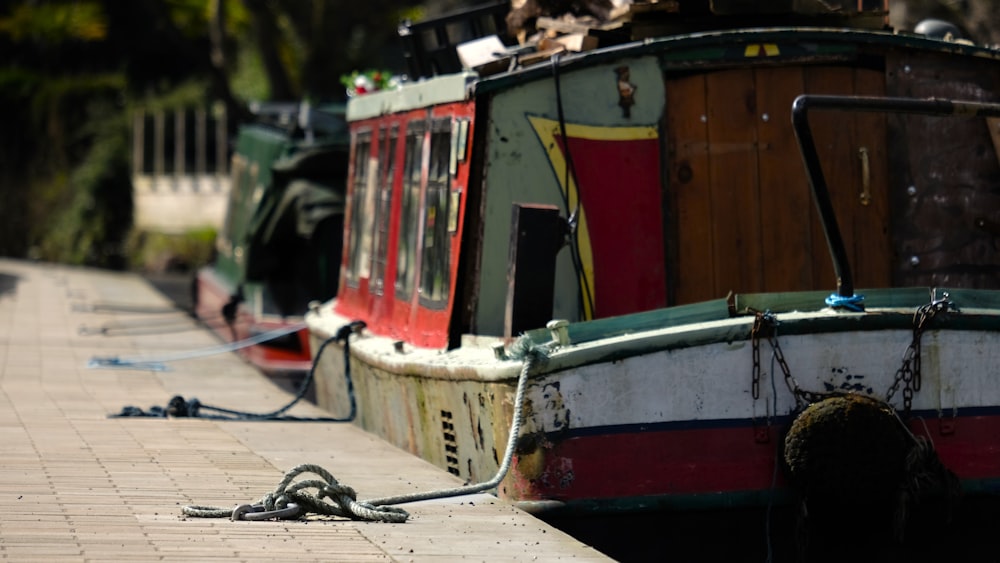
(359,83)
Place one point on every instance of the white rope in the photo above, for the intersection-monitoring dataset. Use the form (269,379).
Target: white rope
(157,363)
(531,358)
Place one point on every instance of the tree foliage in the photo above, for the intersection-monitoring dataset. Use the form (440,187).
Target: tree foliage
(73,70)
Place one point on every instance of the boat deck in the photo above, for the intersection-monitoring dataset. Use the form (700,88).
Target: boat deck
(79,486)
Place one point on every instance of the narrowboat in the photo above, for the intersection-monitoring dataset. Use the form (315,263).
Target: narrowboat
(728,252)
(280,244)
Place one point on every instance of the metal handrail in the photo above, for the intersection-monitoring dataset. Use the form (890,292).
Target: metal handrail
(814,169)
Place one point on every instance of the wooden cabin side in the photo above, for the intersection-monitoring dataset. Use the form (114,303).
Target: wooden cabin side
(945,191)
(725,203)
(744,217)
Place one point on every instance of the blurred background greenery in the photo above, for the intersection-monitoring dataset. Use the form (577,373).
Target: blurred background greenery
(71,72)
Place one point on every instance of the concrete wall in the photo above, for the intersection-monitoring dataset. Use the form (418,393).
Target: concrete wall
(175,204)
(180,169)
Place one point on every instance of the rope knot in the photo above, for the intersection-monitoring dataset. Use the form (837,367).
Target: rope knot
(344,332)
(343,500)
(335,489)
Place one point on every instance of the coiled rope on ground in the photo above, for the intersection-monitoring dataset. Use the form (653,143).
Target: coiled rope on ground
(343,499)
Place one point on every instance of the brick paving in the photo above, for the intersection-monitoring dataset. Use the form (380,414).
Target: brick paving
(76,485)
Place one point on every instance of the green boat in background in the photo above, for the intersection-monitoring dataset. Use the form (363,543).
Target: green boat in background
(280,245)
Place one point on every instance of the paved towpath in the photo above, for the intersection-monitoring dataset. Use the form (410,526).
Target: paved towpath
(76,485)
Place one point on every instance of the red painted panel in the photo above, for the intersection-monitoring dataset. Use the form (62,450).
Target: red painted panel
(656,463)
(969,446)
(624,214)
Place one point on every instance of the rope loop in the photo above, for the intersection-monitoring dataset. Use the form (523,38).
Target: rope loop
(293,495)
(853,303)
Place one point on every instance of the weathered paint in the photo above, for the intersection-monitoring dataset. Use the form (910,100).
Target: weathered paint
(446,89)
(405,407)
(525,163)
(673,421)
(947,162)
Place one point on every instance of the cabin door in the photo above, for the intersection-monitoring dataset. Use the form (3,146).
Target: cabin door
(743,216)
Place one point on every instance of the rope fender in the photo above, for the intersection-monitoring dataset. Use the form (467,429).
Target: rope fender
(851,457)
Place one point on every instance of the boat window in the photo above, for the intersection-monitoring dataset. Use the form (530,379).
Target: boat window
(362,208)
(436,250)
(384,205)
(407,255)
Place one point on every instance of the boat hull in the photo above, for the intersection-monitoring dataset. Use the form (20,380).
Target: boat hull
(663,418)
(287,356)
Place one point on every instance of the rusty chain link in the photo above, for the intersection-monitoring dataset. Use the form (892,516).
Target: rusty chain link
(908,373)
(766,324)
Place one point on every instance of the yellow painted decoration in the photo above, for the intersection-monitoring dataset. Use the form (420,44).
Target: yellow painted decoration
(548,131)
(761,50)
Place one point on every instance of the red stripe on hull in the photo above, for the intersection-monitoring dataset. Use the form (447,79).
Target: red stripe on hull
(713,461)
(653,463)
(968,445)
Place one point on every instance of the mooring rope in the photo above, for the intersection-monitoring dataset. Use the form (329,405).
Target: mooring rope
(289,503)
(855,302)
(530,360)
(178,407)
(158,363)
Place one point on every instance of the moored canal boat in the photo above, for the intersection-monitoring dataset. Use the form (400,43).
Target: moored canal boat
(280,245)
(640,236)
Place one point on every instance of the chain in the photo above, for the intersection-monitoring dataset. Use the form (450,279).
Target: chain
(755,345)
(766,324)
(908,373)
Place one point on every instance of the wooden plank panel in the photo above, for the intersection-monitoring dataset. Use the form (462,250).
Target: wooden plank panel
(689,183)
(733,167)
(872,253)
(951,165)
(784,189)
(841,137)
(835,136)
